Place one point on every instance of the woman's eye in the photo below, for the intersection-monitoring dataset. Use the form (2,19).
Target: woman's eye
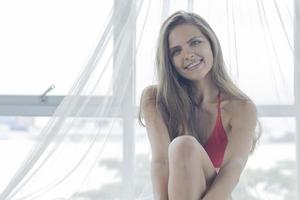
(175,52)
(195,42)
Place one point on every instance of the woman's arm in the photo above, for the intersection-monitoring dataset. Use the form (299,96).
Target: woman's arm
(160,177)
(240,140)
(159,140)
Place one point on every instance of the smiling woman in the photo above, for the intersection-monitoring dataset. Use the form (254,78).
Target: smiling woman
(200,125)
(190,50)
(91,147)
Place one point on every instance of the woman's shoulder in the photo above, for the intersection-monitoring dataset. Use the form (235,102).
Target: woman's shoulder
(239,108)
(233,105)
(150,89)
(237,105)
(149,95)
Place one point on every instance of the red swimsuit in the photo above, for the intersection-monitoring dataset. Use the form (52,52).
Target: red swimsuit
(217,141)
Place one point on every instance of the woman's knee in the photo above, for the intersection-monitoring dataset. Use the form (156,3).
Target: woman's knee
(184,148)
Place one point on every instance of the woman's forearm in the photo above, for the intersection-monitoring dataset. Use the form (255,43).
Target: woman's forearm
(160,177)
(224,183)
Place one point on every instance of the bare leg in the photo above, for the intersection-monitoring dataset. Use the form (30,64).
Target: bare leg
(190,169)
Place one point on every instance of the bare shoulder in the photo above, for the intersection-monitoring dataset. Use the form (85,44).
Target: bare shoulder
(243,113)
(239,107)
(149,95)
(149,109)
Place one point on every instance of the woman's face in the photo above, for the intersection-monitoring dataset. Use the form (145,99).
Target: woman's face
(190,52)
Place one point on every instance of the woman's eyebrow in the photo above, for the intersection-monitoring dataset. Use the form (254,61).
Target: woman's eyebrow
(194,37)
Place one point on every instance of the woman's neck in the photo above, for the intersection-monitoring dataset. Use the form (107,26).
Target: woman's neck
(207,90)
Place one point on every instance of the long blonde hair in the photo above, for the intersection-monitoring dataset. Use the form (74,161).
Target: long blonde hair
(175,95)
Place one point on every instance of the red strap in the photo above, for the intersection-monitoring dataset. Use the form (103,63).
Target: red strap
(219,103)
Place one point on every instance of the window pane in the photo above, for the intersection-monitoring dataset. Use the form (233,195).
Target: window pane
(47,43)
(18,134)
(271,171)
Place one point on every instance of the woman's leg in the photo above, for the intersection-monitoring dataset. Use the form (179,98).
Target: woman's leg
(190,169)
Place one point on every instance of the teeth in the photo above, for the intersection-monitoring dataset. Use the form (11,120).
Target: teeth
(190,66)
(194,64)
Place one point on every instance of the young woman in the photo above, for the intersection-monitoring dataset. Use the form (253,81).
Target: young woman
(200,125)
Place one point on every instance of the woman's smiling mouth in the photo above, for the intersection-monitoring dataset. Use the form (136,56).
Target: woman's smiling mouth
(194,65)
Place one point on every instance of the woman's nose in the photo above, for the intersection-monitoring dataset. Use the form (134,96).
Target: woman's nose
(189,56)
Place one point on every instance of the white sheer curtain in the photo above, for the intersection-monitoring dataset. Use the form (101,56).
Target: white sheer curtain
(100,161)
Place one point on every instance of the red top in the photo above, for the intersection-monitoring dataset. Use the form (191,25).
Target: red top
(217,141)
